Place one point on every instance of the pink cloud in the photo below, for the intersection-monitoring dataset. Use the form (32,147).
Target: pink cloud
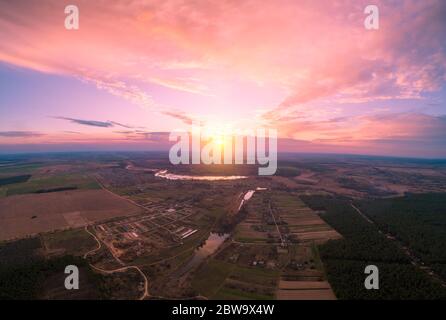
(314,50)
(357,130)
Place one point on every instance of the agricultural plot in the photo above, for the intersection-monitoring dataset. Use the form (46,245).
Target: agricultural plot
(218,279)
(305,290)
(255,228)
(301,222)
(45,184)
(278,235)
(280,217)
(28,214)
(14,179)
(70,242)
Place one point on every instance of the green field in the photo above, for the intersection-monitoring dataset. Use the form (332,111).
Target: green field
(228,293)
(43,184)
(263,277)
(218,279)
(288,171)
(14,179)
(74,242)
(210,277)
(20,169)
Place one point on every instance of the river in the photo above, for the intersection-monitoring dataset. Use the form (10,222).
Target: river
(212,243)
(171,176)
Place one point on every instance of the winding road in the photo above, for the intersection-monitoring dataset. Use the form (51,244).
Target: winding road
(123,269)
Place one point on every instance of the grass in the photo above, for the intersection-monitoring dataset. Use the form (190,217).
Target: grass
(19,169)
(75,241)
(250,240)
(180,259)
(285,171)
(62,181)
(317,258)
(226,293)
(210,280)
(189,245)
(287,200)
(210,277)
(264,277)
(14,179)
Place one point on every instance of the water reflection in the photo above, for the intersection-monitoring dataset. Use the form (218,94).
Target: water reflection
(213,242)
(248,195)
(171,176)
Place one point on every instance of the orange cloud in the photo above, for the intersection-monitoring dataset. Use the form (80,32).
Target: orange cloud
(313,50)
(316,49)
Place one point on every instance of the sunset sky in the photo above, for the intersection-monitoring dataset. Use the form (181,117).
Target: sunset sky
(136,70)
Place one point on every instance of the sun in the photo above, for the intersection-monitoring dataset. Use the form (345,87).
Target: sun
(215,135)
(218,140)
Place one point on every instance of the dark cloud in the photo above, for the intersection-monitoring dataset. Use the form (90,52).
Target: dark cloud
(122,125)
(95,123)
(179,115)
(154,136)
(145,135)
(20,134)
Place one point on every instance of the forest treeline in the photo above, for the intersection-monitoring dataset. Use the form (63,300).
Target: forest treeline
(362,244)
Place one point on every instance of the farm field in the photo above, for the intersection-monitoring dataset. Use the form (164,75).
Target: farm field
(184,153)
(290,240)
(270,257)
(28,214)
(74,242)
(46,184)
(218,279)
(305,290)
(14,179)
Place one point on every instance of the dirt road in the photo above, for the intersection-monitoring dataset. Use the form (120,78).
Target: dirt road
(123,269)
(412,257)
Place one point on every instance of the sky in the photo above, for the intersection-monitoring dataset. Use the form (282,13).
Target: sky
(137,70)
